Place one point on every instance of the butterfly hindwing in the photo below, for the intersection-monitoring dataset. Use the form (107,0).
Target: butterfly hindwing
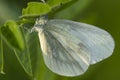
(69,59)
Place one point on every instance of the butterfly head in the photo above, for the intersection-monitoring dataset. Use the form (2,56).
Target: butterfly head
(39,23)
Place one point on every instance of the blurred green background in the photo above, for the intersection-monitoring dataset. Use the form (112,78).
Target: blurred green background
(102,13)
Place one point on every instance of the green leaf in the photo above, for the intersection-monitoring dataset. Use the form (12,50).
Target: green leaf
(12,68)
(25,61)
(1,57)
(39,68)
(24,57)
(12,35)
(35,9)
(35,51)
(54,3)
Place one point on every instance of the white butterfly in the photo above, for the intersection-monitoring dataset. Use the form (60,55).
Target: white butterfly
(70,47)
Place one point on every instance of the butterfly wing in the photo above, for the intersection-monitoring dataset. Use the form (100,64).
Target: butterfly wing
(64,54)
(69,47)
(98,42)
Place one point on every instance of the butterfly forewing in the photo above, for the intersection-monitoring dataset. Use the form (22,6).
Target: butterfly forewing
(97,41)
